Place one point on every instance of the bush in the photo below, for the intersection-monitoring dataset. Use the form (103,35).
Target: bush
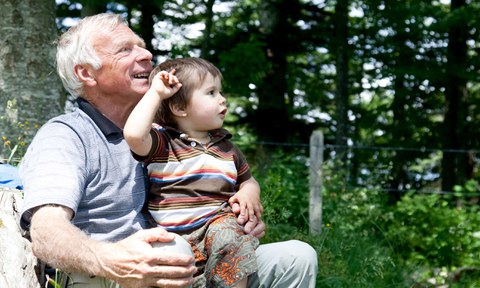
(431,235)
(421,241)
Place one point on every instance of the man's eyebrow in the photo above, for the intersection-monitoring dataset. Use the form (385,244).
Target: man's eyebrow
(127,42)
(141,40)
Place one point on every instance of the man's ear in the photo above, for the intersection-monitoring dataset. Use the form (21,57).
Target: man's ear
(178,110)
(85,75)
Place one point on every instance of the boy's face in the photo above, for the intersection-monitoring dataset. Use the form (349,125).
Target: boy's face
(206,109)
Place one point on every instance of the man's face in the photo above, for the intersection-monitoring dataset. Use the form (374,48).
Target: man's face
(126,65)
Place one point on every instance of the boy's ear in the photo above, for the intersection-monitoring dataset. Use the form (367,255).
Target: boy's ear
(84,74)
(178,110)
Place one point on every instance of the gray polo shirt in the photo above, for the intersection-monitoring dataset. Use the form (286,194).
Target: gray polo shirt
(80,160)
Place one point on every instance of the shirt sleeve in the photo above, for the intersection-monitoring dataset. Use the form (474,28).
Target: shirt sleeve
(53,171)
(243,169)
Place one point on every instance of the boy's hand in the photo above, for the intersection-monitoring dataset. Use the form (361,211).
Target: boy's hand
(249,204)
(166,84)
(246,203)
(254,226)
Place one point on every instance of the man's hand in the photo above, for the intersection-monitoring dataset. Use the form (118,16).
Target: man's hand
(133,262)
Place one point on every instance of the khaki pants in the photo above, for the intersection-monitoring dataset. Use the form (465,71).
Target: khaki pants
(76,280)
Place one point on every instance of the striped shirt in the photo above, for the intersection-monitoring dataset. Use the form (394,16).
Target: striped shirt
(191,182)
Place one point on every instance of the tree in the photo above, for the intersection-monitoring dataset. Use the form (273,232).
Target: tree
(92,7)
(275,25)
(341,63)
(30,91)
(455,168)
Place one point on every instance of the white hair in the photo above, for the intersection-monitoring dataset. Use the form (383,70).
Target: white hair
(75,47)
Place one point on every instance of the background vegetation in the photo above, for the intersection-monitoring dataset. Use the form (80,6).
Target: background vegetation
(393,85)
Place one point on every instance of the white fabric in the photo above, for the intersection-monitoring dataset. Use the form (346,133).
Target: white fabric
(289,264)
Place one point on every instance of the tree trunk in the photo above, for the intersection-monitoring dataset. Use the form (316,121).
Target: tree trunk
(454,164)
(400,133)
(207,34)
(271,117)
(341,93)
(92,7)
(147,24)
(18,267)
(30,91)
(340,42)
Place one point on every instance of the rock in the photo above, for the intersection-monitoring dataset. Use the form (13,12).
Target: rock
(18,265)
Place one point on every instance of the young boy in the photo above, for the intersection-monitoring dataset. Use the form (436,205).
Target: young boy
(194,169)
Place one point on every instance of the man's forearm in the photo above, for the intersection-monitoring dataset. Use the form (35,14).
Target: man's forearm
(56,241)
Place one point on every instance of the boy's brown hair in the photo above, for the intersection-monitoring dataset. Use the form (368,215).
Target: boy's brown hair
(191,72)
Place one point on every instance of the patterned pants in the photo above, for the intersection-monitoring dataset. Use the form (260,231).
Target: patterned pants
(224,254)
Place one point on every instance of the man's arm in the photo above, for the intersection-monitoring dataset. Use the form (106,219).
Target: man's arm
(131,262)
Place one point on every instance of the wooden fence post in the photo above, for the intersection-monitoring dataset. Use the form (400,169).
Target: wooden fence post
(315,182)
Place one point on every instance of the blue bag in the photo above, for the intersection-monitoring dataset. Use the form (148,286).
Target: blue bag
(9,177)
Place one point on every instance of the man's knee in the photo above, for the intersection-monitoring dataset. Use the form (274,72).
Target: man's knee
(302,255)
(286,264)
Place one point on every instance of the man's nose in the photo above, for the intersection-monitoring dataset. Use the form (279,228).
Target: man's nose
(143,54)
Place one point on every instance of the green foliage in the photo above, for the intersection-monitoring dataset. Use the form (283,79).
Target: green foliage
(284,184)
(471,188)
(351,250)
(15,147)
(237,78)
(429,232)
(355,244)
(365,242)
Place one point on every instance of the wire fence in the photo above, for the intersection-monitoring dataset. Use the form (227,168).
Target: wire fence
(330,173)
(431,186)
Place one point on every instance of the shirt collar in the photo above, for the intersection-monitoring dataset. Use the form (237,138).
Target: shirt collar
(108,128)
(216,135)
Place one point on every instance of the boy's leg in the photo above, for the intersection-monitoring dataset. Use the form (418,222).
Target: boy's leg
(231,253)
(286,264)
